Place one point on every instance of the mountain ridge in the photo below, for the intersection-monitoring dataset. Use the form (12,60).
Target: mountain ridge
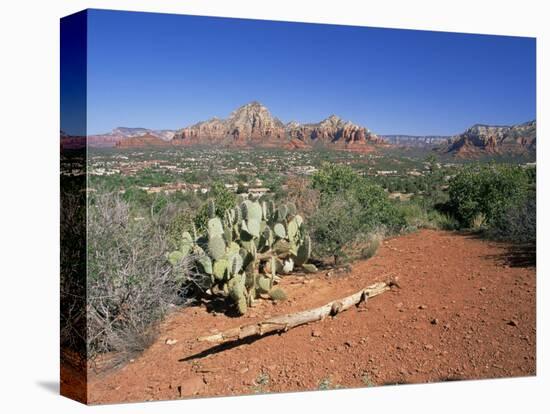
(253,125)
(483,139)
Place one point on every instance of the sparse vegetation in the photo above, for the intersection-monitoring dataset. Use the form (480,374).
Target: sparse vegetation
(340,200)
(130,284)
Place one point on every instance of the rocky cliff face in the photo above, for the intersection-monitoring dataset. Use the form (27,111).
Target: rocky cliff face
(248,124)
(332,130)
(253,125)
(416,141)
(491,139)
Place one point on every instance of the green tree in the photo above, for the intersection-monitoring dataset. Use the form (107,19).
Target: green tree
(486,189)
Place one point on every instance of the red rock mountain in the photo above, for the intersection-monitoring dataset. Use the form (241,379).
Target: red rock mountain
(491,140)
(253,125)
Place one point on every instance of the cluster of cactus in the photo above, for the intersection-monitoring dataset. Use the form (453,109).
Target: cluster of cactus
(244,252)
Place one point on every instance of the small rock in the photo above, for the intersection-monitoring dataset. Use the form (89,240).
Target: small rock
(243,370)
(316,334)
(191,386)
(429,347)
(434,321)
(513,322)
(422,307)
(171,341)
(349,344)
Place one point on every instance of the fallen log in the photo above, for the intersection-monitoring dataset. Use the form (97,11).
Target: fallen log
(285,322)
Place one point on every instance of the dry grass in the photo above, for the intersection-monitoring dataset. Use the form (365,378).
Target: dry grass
(131,285)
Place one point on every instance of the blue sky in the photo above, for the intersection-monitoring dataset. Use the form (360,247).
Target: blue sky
(169,71)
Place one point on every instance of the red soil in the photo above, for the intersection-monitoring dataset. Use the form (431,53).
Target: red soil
(463,311)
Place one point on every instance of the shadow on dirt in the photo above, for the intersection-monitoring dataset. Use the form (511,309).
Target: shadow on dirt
(515,255)
(225,346)
(219,305)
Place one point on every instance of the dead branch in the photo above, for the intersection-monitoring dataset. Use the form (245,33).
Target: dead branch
(285,322)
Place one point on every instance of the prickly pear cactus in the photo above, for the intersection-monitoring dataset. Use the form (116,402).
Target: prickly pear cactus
(244,252)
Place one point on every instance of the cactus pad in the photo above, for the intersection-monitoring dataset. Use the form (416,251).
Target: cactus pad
(175,257)
(219,268)
(279,230)
(216,247)
(253,227)
(215,227)
(206,264)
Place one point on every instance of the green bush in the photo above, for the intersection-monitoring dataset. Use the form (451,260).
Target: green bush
(519,223)
(375,208)
(223,201)
(335,225)
(350,207)
(419,215)
(489,190)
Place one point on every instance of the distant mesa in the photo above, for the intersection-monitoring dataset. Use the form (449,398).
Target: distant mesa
(481,140)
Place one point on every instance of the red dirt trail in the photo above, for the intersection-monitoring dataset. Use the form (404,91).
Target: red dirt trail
(463,311)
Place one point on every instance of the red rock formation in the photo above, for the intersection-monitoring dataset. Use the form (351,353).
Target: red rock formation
(486,139)
(253,125)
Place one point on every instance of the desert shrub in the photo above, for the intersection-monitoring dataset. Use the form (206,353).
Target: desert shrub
(350,207)
(365,245)
(73,269)
(519,223)
(489,190)
(181,222)
(415,216)
(335,225)
(335,178)
(479,222)
(373,243)
(223,200)
(375,208)
(130,283)
(418,216)
(300,193)
(443,221)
